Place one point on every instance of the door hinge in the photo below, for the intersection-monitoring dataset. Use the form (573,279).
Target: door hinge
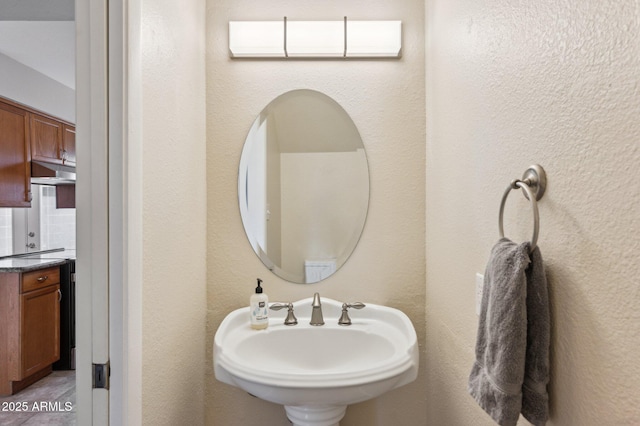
(101,374)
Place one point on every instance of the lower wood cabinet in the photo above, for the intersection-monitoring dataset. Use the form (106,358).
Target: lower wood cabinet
(29,327)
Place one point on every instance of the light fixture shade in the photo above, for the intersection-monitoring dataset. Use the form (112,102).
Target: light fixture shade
(315,39)
(257,39)
(374,38)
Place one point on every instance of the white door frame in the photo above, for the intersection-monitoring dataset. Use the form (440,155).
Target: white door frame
(108,300)
(92,224)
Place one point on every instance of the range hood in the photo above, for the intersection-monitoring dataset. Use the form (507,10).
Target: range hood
(52,174)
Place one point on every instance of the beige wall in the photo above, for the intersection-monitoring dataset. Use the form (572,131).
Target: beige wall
(556,83)
(172,68)
(385,99)
(550,83)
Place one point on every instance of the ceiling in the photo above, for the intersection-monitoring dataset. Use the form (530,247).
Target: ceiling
(41,35)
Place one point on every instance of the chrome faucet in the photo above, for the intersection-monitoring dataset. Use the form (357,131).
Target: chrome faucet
(316,312)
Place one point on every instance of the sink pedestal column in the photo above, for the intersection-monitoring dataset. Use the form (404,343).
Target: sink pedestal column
(315,416)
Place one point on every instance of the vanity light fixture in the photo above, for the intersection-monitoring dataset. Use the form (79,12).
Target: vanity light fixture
(315,39)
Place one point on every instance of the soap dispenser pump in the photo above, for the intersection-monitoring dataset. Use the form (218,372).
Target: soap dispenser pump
(259,308)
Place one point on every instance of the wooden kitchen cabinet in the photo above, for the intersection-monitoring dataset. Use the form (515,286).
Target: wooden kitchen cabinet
(15,172)
(26,135)
(46,139)
(29,327)
(69,145)
(52,141)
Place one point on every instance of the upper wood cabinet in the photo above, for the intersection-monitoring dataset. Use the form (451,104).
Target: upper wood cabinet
(69,145)
(46,139)
(25,135)
(15,172)
(52,141)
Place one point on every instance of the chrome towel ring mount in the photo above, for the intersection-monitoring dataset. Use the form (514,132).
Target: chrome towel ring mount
(533,184)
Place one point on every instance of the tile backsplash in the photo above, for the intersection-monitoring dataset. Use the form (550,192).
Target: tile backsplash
(56,227)
(6,234)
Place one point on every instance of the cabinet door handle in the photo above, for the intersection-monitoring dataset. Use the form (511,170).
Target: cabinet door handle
(59,296)
(43,279)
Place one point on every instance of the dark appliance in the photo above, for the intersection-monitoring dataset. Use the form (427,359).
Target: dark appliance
(67,359)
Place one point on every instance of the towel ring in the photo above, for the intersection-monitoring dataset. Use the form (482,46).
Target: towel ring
(533,184)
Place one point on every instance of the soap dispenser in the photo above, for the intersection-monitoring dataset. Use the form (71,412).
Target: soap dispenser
(259,308)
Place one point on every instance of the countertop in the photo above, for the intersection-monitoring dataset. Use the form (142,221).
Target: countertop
(33,261)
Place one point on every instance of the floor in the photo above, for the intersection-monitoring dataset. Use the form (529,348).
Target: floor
(50,401)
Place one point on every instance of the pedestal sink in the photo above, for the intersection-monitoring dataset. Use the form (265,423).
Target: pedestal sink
(317,371)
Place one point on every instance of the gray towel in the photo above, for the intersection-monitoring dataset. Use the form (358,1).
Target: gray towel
(511,370)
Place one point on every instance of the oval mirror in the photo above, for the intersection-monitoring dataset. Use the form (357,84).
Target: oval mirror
(303,186)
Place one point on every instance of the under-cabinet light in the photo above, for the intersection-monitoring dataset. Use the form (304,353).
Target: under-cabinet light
(315,39)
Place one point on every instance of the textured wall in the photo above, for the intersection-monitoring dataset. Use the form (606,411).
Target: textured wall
(174,208)
(556,83)
(385,99)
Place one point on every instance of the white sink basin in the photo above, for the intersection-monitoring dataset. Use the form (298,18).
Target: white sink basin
(316,371)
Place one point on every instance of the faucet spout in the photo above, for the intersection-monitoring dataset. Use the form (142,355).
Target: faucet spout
(316,312)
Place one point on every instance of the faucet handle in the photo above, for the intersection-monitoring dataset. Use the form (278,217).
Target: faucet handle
(291,318)
(344,318)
